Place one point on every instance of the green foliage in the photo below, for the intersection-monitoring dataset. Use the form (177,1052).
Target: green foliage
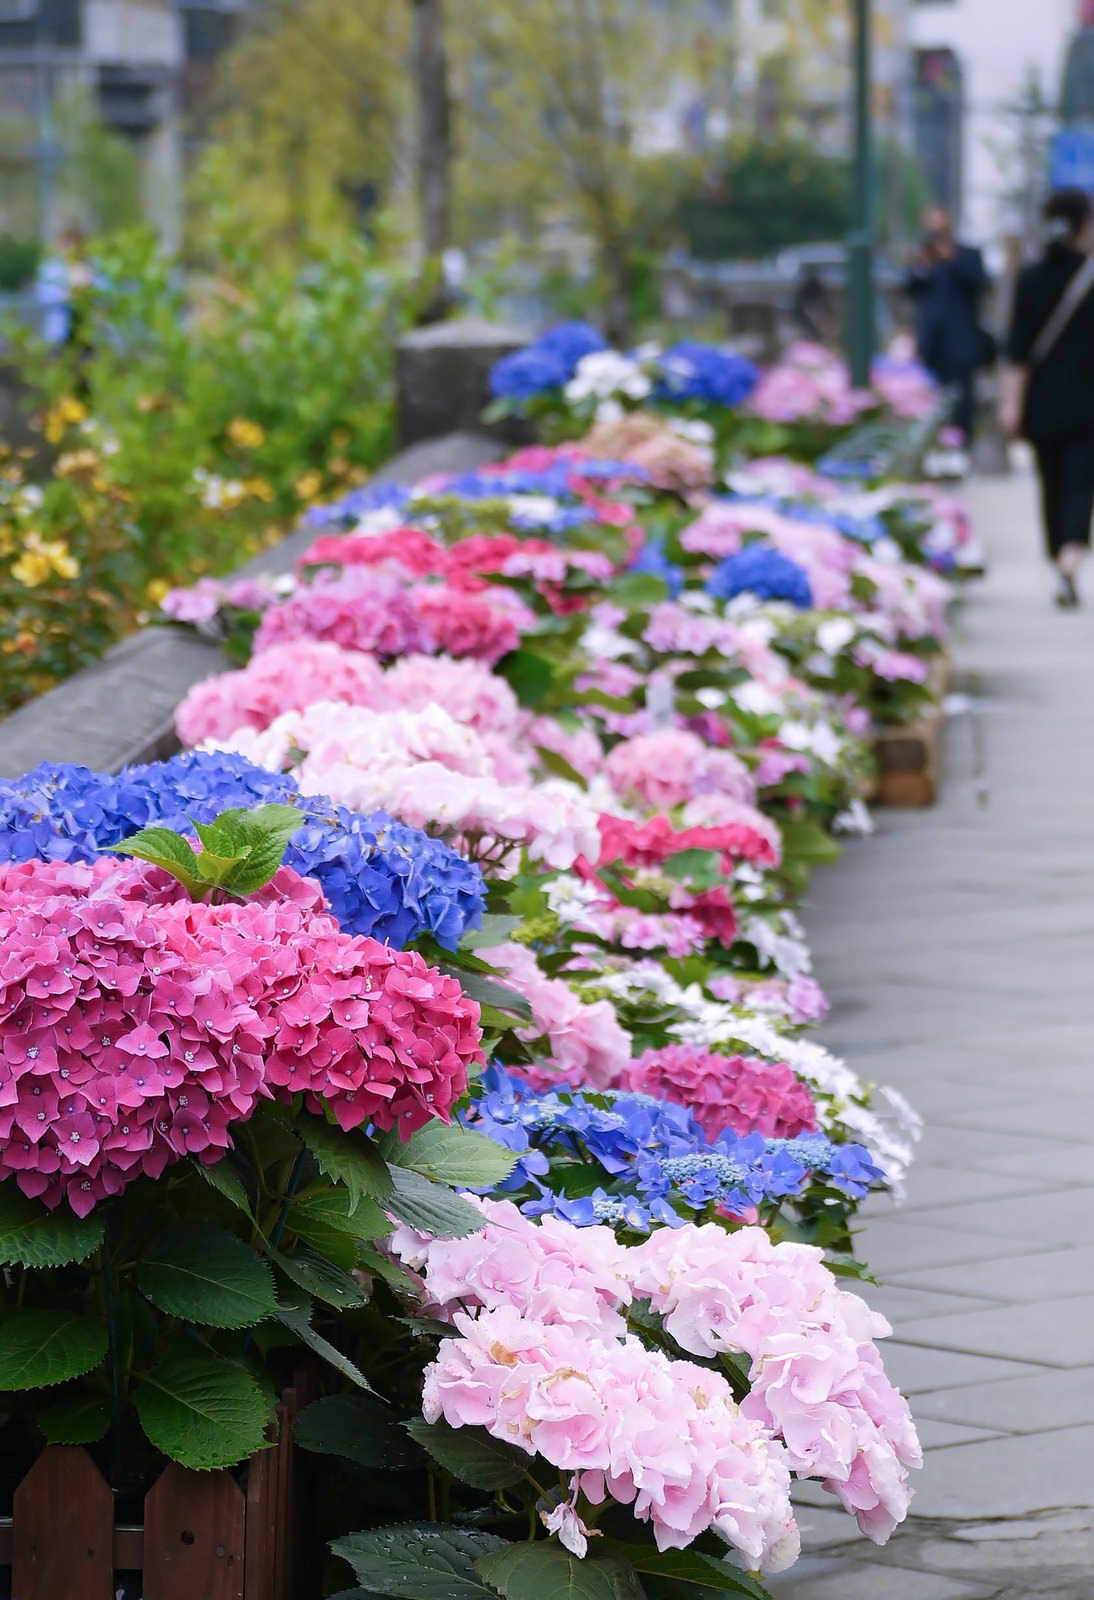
(31,1236)
(763,197)
(357,1428)
(187,425)
(203,1274)
(241,850)
(548,1572)
(421,1561)
(202,1413)
(74,1419)
(18,261)
(430,1207)
(471,1454)
(451,1154)
(41,1348)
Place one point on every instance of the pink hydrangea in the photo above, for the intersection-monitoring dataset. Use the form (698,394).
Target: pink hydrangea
(586,1041)
(286,677)
(408,549)
(468,691)
(668,767)
(645,844)
(137,1026)
(461,624)
(580,746)
(817,1380)
(358,608)
(727,1092)
(799,999)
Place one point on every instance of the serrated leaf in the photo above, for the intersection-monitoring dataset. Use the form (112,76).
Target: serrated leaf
(202,1413)
(558,766)
(420,1561)
(76,1419)
(223,1177)
(545,1571)
(218,869)
(320,1278)
(395,1276)
(690,1566)
(349,1158)
(451,1154)
(168,850)
(266,832)
(333,1225)
(296,1320)
(530,676)
(41,1348)
(357,1428)
(471,1454)
(31,1236)
(203,1274)
(430,1207)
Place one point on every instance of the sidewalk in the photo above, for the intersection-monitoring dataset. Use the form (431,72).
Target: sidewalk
(957,948)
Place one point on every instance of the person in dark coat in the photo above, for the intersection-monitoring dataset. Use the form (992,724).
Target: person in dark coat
(1051,402)
(947,281)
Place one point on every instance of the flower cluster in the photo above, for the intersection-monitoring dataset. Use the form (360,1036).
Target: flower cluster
(549,363)
(739,1093)
(691,370)
(137,1026)
(766,573)
(379,876)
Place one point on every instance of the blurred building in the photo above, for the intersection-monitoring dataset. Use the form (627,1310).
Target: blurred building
(124,59)
(990,78)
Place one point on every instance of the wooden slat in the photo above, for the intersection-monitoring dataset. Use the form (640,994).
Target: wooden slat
(194,1537)
(260,1562)
(63,1534)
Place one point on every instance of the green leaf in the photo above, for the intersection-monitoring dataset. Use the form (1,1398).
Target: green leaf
(489,991)
(471,1454)
(168,850)
(357,1428)
(451,1154)
(420,1561)
(31,1236)
(202,1413)
(76,1419)
(320,1278)
(225,1179)
(431,1208)
(41,1348)
(266,831)
(689,1566)
(349,1158)
(545,1571)
(530,676)
(203,1274)
(807,840)
(495,929)
(333,1225)
(218,869)
(296,1320)
(638,591)
(558,766)
(702,867)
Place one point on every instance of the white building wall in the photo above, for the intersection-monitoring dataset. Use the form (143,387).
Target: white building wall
(997,43)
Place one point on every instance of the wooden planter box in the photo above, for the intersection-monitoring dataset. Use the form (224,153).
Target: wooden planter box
(205,1535)
(909,757)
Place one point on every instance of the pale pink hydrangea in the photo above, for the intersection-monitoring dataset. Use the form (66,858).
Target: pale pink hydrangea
(287,677)
(670,766)
(799,999)
(586,1042)
(469,692)
(579,746)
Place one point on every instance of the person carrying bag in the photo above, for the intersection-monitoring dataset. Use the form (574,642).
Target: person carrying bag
(1048,390)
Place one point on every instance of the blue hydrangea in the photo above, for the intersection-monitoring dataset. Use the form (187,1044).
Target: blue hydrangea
(652,1158)
(351,507)
(760,570)
(691,370)
(548,363)
(380,877)
(652,559)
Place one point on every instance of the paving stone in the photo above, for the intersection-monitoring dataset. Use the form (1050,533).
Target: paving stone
(1059,1332)
(936,1435)
(1061,1218)
(916,1369)
(819,1579)
(1011,1476)
(903,1245)
(1051,1117)
(1063,1398)
(1037,1275)
(930,1188)
(901,1304)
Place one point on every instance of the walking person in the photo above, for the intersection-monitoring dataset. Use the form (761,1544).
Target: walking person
(1048,390)
(948,281)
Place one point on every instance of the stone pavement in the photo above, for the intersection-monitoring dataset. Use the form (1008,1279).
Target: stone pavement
(957,948)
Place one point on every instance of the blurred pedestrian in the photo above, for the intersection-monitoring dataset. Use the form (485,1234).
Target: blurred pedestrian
(948,281)
(1048,390)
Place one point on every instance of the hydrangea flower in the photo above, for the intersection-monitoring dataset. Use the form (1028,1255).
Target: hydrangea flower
(136,1026)
(738,1093)
(768,574)
(691,370)
(380,877)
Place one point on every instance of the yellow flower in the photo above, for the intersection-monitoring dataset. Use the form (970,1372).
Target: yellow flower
(158,401)
(156,589)
(308,485)
(246,434)
(75,461)
(260,489)
(61,416)
(40,558)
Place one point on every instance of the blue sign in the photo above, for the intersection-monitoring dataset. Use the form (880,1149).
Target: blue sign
(1072,164)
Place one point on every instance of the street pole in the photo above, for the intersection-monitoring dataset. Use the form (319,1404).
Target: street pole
(861,332)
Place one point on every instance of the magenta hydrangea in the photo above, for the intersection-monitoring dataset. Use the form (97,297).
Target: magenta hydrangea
(737,1092)
(358,608)
(137,1026)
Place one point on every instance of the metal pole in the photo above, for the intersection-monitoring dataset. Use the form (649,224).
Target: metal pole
(861,332)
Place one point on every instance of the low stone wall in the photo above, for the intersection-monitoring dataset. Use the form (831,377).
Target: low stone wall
(122,710)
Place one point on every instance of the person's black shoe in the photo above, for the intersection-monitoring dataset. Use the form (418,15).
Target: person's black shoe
(1067,596)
